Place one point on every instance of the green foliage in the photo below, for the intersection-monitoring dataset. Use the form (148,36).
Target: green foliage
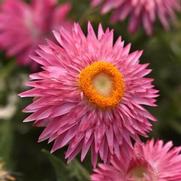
(6,139)
(73,171)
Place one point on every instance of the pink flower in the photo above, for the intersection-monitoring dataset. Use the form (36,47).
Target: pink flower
(141,12)
(152,161)
(90,94)
(23,26)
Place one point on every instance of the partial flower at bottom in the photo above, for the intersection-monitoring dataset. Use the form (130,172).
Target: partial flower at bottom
(153,161)
(90,94)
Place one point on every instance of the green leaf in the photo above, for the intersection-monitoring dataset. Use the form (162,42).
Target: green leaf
(67,172)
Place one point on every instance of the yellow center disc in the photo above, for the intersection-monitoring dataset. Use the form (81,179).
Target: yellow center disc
(102,83)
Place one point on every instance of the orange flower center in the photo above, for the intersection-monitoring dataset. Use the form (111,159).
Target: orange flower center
(102,83)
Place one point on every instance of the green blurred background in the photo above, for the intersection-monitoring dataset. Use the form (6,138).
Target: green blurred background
(18,141)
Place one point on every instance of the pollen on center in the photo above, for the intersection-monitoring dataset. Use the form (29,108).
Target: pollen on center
(102,84)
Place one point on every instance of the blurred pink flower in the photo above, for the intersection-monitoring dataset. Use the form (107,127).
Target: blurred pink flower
(23,26)
(141,12)
(152,161)
(90,94)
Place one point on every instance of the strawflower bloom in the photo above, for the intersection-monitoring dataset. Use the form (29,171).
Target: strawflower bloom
(23,26)
(152,161)
(90,94)
(141,12)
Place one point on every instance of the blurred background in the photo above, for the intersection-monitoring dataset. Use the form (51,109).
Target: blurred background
(28,160)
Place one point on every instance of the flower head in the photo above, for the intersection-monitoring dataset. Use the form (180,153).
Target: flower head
(90,94)
(23,26)
(153,161)
(141,12)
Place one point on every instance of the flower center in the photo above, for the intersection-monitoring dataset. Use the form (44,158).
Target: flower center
(142,172)
(138,173)
(102,83)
